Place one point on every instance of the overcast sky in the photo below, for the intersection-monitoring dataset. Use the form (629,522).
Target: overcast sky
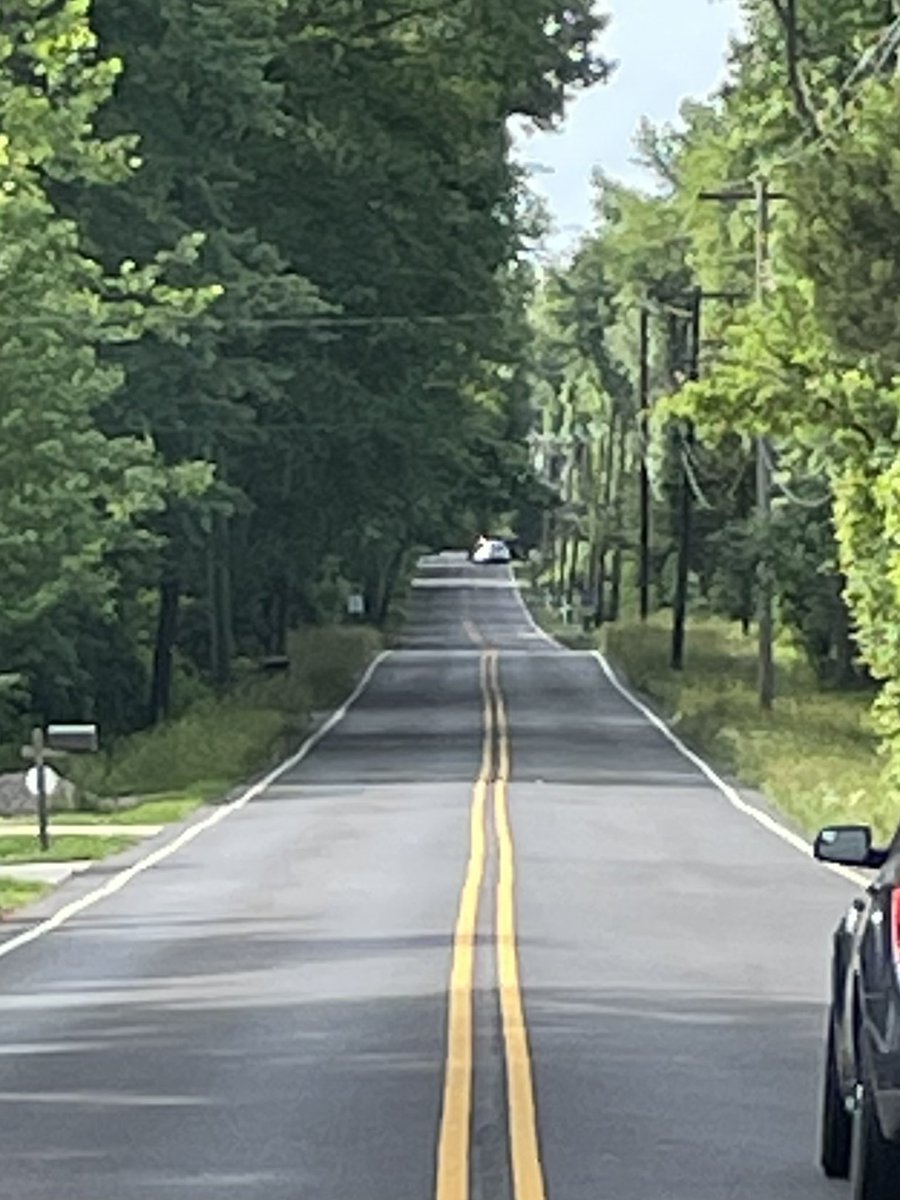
(666,50)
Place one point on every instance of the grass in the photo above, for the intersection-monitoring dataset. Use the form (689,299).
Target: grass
(164,774)
(160,810)
(220,742)
(25,849)
(815,756)
(14,893)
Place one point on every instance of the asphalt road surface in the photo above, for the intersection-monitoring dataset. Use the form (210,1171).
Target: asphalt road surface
(494,938)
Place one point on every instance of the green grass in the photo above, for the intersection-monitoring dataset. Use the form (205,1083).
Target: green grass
(24,849)
(14,893)
(159,810)
(815,755)
(220,742)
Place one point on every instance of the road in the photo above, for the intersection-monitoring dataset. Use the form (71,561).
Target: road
(494,938)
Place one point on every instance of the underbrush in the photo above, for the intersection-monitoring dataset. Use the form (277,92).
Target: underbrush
(815,755)
(219,742)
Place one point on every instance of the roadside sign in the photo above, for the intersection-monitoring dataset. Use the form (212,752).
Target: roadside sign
(51,780)
(356,605)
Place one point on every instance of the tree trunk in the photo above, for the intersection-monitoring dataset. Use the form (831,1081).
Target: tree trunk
(845,648)
(221,640)
(561,572)
(387,583)
(573,570)
(166,634)
(615,585)
(548,546)
(277,617)
(600,609)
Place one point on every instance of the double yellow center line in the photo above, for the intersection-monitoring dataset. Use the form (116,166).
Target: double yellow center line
(454,1139)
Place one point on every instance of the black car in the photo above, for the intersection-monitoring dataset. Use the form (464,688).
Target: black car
(861,1102)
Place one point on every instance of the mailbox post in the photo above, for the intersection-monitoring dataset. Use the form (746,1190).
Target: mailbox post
(37,742)
(58,741)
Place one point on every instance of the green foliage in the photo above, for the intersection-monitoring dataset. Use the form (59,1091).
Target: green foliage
(804,353)
(219,742)
(15,893)
(816,757)
(159,811)
(816,368)
(261,322)
(67,848)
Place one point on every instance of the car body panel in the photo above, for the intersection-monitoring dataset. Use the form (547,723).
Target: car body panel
(865,1002)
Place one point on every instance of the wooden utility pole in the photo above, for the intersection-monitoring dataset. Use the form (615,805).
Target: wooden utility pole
(686,506)
(601,608)
(766,667)
(615,592)
(644,484)
(762,195)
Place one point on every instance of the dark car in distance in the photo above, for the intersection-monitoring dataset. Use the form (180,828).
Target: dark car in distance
(860,1136)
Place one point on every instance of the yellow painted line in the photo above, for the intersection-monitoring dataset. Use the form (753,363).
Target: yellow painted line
(528,1174)
(452,1182)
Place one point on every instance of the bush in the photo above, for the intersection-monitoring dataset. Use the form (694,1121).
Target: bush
(815,754)
(218,743)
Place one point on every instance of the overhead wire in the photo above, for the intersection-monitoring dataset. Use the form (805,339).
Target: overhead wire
(788,492)
(875,57)
(691,477)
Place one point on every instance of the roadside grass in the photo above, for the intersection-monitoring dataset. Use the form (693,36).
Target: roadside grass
(24,849)
(162,775)
(14,893)
(221,741)
(815,756)
(160,810)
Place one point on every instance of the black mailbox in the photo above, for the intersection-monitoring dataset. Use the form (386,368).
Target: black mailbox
(73,739)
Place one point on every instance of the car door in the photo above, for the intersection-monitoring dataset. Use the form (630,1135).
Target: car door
(876,951)
(865,953)
(847,953)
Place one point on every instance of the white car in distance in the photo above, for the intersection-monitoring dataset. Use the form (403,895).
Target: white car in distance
(491,550)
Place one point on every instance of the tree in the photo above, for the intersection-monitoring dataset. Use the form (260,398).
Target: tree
(71,497)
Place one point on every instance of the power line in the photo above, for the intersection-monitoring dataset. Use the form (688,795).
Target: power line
(339,321)
(875,57)
(691,476)
(791,495)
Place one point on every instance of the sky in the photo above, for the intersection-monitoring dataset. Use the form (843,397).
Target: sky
(667,50)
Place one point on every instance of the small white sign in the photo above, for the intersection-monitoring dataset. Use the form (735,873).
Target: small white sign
(51,780)
(356,605)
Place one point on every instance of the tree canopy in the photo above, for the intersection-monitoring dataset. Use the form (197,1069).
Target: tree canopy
(262,320)
(811,106)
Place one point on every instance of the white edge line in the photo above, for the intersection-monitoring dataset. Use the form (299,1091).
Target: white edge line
(731,794)
(527,611)
(119,881)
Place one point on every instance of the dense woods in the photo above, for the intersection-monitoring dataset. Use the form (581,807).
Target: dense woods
(262,320)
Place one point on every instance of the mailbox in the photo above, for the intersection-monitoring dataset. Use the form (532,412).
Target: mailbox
(73,739)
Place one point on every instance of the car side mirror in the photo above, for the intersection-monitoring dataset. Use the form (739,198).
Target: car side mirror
(849,845)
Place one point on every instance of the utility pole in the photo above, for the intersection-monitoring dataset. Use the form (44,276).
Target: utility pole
(601,608)
(766,669)
(644,403)
(762,195)
(686,514)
